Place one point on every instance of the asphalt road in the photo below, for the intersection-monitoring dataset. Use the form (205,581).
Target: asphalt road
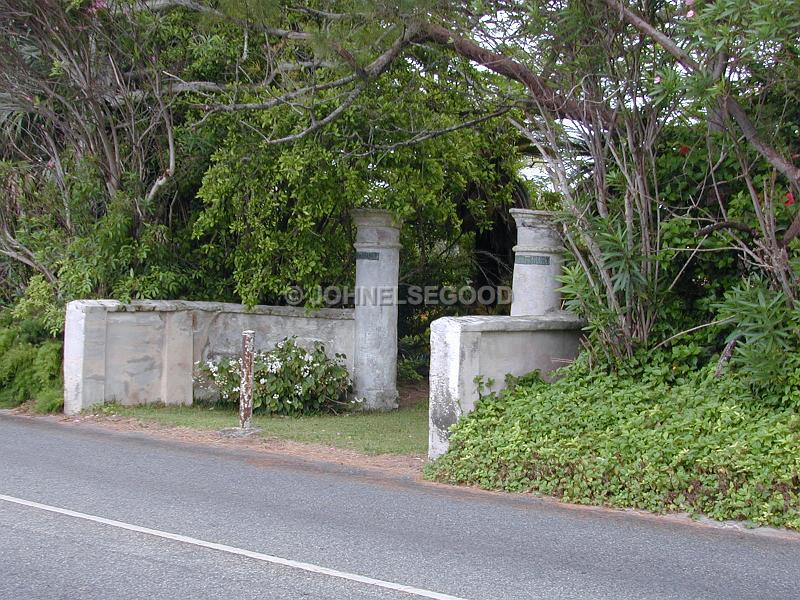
(440,540)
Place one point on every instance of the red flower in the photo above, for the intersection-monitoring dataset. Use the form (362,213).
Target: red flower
(684,150)
(789,199)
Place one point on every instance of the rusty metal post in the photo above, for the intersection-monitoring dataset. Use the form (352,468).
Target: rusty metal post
(246,383)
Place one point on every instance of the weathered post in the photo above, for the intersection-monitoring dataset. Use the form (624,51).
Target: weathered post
(377,273)
(246,383)
(538,258)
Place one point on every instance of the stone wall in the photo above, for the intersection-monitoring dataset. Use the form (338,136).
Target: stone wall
(146,351)
(463,348)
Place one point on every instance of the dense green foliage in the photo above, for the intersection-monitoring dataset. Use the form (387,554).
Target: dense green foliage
(286,223)
(30,367)
(677,207)
(288,380)
(656,436)
(237,219)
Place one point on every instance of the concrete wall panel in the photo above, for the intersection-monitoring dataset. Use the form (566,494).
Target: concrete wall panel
(146,351)
(463,348)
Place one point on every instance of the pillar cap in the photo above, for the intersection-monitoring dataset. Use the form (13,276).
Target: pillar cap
(525,217)
(375,217)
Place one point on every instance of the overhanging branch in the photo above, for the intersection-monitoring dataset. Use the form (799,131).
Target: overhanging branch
(431,134)
(547,98)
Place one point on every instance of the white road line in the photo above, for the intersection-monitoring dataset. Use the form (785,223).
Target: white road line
(389,585)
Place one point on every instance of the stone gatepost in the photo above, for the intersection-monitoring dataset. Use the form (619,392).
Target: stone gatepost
(538,258)
(538,336)
(377,272)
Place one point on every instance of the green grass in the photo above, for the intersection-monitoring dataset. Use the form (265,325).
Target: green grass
(404,431)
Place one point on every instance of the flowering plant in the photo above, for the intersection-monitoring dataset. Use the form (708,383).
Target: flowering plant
(288,380)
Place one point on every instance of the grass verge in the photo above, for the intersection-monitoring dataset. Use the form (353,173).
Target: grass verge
(404,431)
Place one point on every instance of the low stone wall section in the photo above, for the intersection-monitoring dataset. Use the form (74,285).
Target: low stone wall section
(146,351)
(490,347)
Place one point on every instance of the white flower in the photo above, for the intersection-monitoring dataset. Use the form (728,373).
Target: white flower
(275,396)
(262,381)
(298,388)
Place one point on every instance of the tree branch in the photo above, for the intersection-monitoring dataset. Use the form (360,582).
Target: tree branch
(272,102)
(726,225)
(538,87)
(170,172)
(428,135)
(367,74)
(333,115)
(751,135)
(630,17)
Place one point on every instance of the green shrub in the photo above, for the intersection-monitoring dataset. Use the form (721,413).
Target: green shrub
(49,400)
(413,357)
(636,439)
(288,380)
(29,365)
(766,331)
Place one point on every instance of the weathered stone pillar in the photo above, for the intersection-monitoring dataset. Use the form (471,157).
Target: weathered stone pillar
(84,355)
(377,272)
(538,258)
